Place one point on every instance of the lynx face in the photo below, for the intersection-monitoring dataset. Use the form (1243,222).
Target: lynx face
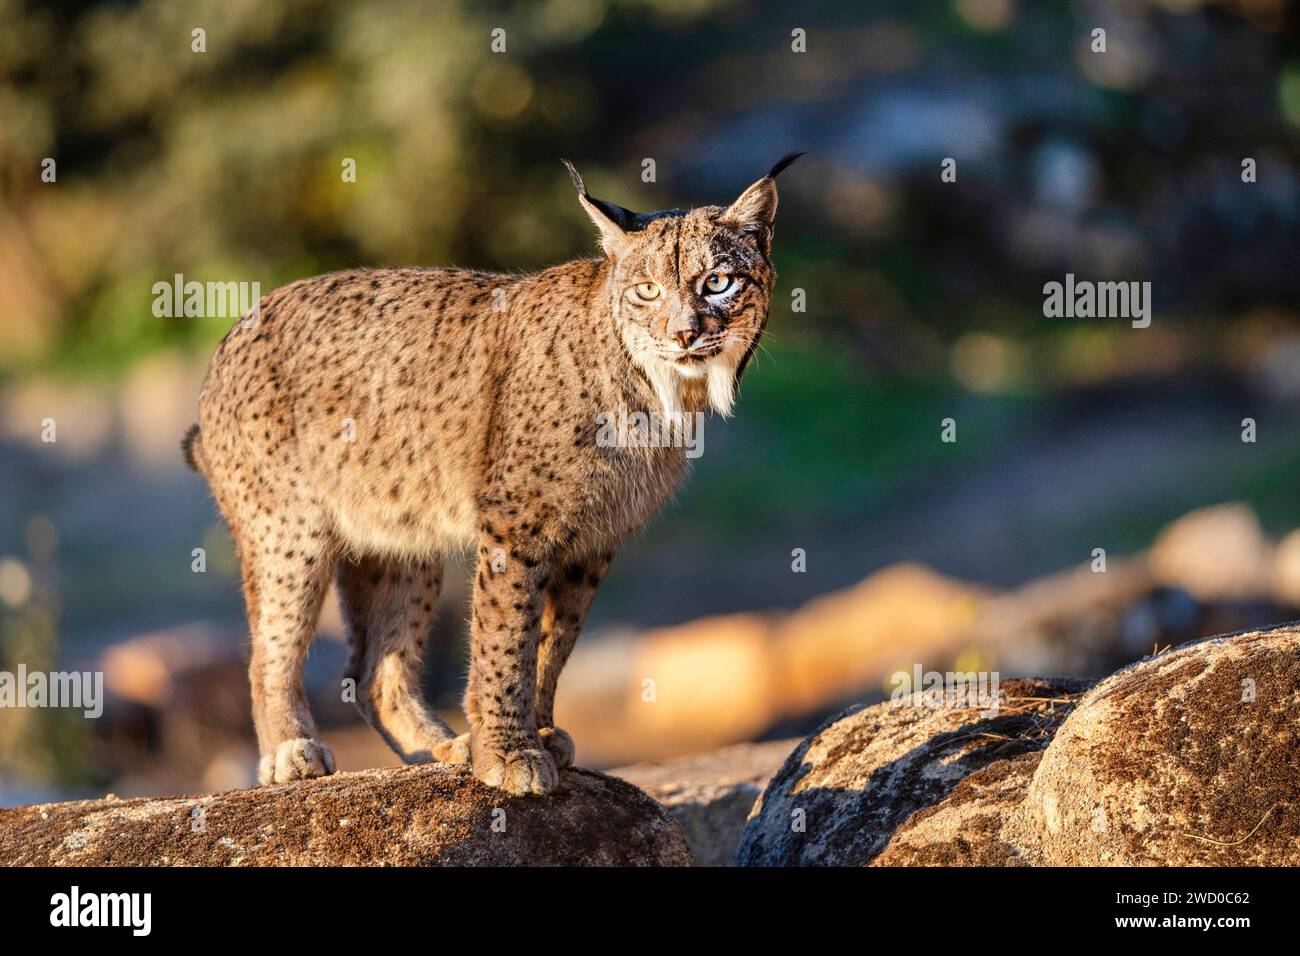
(690,290)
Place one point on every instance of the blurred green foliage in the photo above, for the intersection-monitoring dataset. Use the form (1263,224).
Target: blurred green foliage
(226,164)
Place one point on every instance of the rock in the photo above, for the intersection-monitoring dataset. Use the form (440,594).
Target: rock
(408,816)
(1286,570)
(780,666)
(1066,622)
(710,795)
(691,709)
(966,828)
(1217,553)
(859,778)
(835,645)
(176,699)
(1191,757)
(151,669)
(1188,758)
(1165,617)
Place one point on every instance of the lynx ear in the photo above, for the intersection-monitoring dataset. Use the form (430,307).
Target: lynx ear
(755,210)
(614,222)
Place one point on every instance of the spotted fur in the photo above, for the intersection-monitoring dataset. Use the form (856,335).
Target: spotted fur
(362,425)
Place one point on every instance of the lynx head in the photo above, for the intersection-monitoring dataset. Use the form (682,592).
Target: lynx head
(690,288)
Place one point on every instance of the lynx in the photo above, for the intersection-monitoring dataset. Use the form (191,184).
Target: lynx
(364,425)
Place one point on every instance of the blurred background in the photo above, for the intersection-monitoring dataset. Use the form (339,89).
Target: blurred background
(923,302)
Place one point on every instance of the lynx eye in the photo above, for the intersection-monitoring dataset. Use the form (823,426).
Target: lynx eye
(649,291)
(715,283)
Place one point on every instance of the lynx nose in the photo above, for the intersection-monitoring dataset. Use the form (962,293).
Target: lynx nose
(685,337)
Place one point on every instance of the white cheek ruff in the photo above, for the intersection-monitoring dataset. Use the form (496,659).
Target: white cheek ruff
(722,385)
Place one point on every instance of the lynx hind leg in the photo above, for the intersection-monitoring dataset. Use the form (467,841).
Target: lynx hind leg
(557,743)
(456,750)
(284,583)
(568,599)
(453,751)
(389,606)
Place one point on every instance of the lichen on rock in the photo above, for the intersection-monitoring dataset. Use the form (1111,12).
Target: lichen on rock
(409,816)
(1188,758)
(845,790)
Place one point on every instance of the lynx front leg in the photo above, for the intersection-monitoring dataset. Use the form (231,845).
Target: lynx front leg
(567,601)
(505,750)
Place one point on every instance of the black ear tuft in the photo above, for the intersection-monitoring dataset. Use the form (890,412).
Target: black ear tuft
(573,174)
(625,219)
(785,161)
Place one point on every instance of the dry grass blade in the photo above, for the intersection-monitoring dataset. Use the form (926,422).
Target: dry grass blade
(1206,839)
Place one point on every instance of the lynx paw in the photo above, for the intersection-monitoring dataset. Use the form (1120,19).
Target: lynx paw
(559,745)
(528,770)
(297,759)
(453,751)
